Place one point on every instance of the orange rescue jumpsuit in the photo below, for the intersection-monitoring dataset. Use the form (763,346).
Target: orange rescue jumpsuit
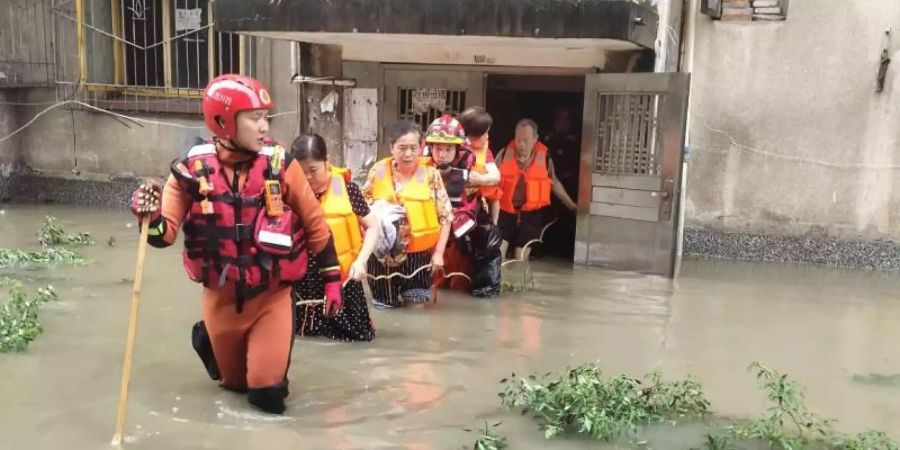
(252,348)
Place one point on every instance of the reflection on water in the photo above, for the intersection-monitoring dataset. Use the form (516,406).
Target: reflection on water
(431,372)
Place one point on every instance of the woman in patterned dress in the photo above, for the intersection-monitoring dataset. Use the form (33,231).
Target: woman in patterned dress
(347,214)
(406,180)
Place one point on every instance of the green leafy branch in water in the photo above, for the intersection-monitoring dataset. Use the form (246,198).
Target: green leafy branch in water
(527,282)
(48,257)
(488,439)
(788,424)
(19,317)
(53,234)
(606,408)
(582,400)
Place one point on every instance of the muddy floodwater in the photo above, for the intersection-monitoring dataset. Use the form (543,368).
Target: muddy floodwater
(433,371)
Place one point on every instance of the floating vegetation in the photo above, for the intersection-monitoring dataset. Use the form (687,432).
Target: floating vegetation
(584,400)
(877,379)
(48,257)
(19,324)
(488,439)
(52,234)
(788,424)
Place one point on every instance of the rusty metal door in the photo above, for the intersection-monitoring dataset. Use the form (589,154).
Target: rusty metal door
(423,94)
(631,156)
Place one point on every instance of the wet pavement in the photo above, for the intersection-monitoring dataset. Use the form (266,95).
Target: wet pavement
(433,371)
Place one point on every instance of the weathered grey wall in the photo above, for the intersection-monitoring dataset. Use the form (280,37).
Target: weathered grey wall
(92,145)
(9,148)
(67,143)
(273,63)
(25,43)
(788,135)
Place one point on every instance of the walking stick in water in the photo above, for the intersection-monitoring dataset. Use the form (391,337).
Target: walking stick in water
(132,329)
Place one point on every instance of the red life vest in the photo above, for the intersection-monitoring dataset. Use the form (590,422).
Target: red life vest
(238,242)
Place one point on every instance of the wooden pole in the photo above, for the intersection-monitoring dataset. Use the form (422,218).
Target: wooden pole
(132,330)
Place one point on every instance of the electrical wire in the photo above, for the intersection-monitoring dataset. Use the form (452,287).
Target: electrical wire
(735,144)
(101,110)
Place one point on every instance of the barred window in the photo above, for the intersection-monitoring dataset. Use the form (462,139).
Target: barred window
(149,55)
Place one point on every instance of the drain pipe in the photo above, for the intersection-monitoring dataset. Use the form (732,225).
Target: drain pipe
(687,45)
(664,10)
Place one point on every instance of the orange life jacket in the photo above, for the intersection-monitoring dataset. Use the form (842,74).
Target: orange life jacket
(342,220)
(421,212)
(537,179)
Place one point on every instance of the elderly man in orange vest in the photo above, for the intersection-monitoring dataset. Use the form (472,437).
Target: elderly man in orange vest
(526,179)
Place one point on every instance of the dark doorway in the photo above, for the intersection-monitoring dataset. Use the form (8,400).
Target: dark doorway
(556,104)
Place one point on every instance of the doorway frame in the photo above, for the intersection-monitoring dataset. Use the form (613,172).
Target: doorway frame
(480,70)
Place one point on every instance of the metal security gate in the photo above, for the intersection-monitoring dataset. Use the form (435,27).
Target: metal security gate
(632,150)
(423,95)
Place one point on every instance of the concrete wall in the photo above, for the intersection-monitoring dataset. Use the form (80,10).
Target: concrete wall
(92,145)
(9,148)
(788,135)
(69,143)
(26,43)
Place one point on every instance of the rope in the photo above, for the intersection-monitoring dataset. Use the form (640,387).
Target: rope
(531,242)
(428,266)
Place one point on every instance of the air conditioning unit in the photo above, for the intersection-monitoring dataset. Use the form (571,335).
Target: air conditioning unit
(712,8)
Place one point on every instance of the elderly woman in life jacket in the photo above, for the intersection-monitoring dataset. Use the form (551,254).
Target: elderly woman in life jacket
(347,215)
(415,216)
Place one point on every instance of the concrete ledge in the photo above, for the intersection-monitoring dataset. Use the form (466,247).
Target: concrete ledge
(878,255)
(622,20)
(31,188)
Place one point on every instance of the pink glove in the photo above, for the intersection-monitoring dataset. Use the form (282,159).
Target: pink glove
(146,200)
(333,300)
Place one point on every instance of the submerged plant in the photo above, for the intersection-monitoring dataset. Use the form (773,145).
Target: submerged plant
(488,439)
(19,317)
(788,424)
(582,400)
(48,257)
(606,408)
(53,234)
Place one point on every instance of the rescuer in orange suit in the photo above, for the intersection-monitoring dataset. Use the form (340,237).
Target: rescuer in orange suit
(249,217)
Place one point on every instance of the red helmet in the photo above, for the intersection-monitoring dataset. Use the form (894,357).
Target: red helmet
(445,130)
(229,94)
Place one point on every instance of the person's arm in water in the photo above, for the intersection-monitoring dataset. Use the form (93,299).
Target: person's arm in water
(370,224)
(558,189)
(300,197)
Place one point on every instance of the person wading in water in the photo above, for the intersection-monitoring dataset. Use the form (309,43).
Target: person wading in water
(249,220)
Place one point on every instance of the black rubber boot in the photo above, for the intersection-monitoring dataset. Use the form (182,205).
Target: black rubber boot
(201,343)
(268,399)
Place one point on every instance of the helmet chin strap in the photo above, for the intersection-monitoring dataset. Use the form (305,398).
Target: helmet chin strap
(235,148)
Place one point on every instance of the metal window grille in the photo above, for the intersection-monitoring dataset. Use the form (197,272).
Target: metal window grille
(423,106)
(628,134)
(144,55)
